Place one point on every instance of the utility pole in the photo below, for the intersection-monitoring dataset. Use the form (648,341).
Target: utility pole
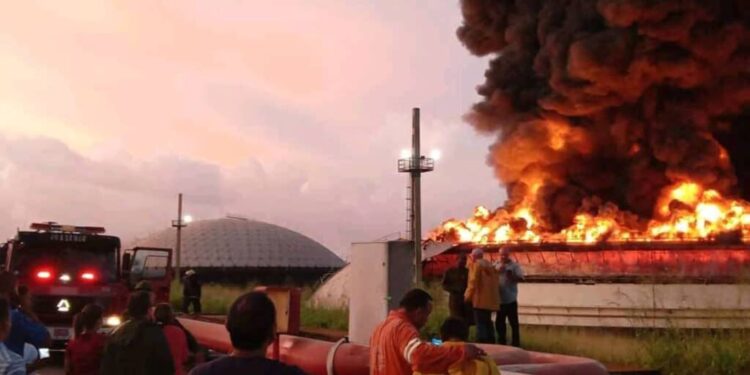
(415,165)
(179,224)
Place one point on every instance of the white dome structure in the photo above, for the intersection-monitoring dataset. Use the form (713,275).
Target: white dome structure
(334,293)
(254,248)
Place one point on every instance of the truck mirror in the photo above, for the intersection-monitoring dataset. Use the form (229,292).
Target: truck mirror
(127,263)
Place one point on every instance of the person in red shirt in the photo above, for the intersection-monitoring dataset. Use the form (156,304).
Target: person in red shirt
(176,337)
(395,347)
(84,353)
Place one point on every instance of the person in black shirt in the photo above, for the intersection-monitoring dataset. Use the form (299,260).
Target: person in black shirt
(191,292)
(252,328)
(455,281)
(137,346)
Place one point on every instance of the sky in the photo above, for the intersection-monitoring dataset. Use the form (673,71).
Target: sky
(289,112)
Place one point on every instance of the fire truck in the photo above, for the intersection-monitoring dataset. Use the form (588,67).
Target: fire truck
(66,267)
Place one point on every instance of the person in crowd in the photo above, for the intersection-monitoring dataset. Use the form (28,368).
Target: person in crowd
(482,293)
(395,346)
(83,355)
(455,281)
(137,346)
(191,292)
(251,324)
(11,363)
(176,337)
(25,326)
(510,274)
(196,352)
(455,331)
(23,301)
(145,286)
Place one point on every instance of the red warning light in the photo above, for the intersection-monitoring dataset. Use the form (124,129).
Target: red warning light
(44,274)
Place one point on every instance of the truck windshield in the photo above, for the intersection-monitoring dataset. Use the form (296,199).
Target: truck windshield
(66,258)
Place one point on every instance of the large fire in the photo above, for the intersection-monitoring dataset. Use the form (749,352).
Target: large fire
(685,212)
(613,120)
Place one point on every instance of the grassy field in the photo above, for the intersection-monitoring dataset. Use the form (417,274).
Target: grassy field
(216,299)
(671,351)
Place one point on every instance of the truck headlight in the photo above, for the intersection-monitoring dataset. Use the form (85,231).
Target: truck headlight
(112,321)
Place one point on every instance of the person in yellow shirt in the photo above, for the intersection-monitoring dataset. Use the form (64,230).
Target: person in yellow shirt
(483,292)
(455,332)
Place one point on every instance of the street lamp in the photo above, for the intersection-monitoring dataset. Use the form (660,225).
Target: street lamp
(436,154)
(415,164)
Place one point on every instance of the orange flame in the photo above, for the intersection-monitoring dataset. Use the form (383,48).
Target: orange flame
(686,212)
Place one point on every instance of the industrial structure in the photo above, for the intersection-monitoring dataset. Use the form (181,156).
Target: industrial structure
(240,250)
(658,284)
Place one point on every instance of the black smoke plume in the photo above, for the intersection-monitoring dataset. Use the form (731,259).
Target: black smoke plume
(613,99)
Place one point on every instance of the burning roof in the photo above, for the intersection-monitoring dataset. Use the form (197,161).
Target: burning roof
(615,119)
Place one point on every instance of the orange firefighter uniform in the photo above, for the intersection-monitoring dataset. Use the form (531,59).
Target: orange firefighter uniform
(482,366)
(395,349)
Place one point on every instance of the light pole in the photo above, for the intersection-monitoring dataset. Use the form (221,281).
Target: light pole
(416,164)
(179,224)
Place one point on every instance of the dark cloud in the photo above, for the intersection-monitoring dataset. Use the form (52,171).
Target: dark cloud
(612,98)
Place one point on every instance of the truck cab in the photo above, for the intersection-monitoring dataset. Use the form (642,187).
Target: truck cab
(66,267)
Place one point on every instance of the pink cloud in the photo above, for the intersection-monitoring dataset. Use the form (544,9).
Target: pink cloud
(289,111)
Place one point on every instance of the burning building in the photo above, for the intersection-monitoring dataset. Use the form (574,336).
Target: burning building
(622,140)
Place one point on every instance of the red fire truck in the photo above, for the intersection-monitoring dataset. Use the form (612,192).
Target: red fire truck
(66,267)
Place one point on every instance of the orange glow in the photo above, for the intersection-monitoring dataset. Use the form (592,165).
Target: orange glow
(687,212)
(557,136)
(557,141)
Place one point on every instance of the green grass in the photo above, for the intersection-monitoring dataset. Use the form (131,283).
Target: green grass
(316,317)
(319,317)
(607,346)
(672,351)
(695,352)
(216,298)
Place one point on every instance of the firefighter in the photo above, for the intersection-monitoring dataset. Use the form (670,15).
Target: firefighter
(395,347)
(483,293)
(191,292)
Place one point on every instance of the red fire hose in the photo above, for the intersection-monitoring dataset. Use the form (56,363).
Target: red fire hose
(317,357)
